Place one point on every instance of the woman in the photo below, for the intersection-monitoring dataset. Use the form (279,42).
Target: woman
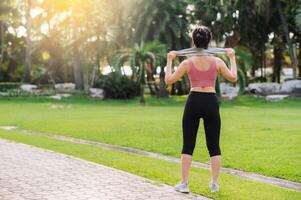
(202,103)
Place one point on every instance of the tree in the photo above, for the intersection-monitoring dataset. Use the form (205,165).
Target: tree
(11,47)
(294,21)
(229,21)
(5,9)
(139,58)
(219,16)
(286,33)
(159,51)
(52,38)
(165,21)
(80,28)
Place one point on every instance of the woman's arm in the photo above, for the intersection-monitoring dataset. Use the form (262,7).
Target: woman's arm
(230,75)
(170,77)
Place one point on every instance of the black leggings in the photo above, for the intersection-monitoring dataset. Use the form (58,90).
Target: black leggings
(201,105)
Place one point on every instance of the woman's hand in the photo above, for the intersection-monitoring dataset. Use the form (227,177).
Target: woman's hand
(171,55)
(230,53)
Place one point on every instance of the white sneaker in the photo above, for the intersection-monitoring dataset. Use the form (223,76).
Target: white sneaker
(182,187)
(214,187)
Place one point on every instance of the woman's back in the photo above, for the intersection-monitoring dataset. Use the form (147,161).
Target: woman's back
(202,72)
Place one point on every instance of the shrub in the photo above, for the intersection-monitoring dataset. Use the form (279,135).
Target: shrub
(22,93)
(118,86)
(5,86)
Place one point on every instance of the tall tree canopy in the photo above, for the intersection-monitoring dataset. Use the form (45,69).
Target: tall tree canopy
(166,21)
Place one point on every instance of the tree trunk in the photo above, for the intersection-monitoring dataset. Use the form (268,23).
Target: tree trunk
(162,87)
(142,100)
(148,78)
(278,51)
(264,64)
(288,40)
(299,59)
(173,89)
(179,88)
(261,63)
(257,61)
(186,87)
(154,81)
(27,68)
(1,44)
(77,71)
(217,87)
(142,83)
(96,68)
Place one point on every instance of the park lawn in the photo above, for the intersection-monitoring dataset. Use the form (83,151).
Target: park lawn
(232,187)
(256,136)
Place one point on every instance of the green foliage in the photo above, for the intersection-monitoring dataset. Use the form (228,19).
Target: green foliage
(139,58)
(5,86)
(244,60)
(166,21)
(117,86)
(244,64)
(79,33)
(206,12)
(159,50)
(39,75)
(21,93)
(298,15)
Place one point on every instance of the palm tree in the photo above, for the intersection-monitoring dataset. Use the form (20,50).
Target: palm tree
(166,21)
(160,51)
(138,57)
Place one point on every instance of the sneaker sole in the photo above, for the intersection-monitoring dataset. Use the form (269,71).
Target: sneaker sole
(185,192)
(212,191)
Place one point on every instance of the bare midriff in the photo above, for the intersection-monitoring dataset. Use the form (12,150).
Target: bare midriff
(203,89)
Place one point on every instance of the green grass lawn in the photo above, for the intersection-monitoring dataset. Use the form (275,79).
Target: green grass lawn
(256,136)
(232,187)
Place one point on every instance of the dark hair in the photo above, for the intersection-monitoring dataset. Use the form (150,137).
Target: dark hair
(201,37)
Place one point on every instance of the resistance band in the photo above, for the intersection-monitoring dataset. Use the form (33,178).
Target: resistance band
(200,51)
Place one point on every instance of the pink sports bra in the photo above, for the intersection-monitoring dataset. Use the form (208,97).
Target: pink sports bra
(200,78)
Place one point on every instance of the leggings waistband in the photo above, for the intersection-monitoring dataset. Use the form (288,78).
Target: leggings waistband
(202,93)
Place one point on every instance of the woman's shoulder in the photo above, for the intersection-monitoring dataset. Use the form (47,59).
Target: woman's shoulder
(218,59)
(187,61)
(218,62)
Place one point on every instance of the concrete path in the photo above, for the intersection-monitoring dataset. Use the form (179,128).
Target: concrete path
(28,172)
(242,174)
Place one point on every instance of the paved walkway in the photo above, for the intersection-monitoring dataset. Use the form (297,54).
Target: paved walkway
(242,174)
(28,172)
